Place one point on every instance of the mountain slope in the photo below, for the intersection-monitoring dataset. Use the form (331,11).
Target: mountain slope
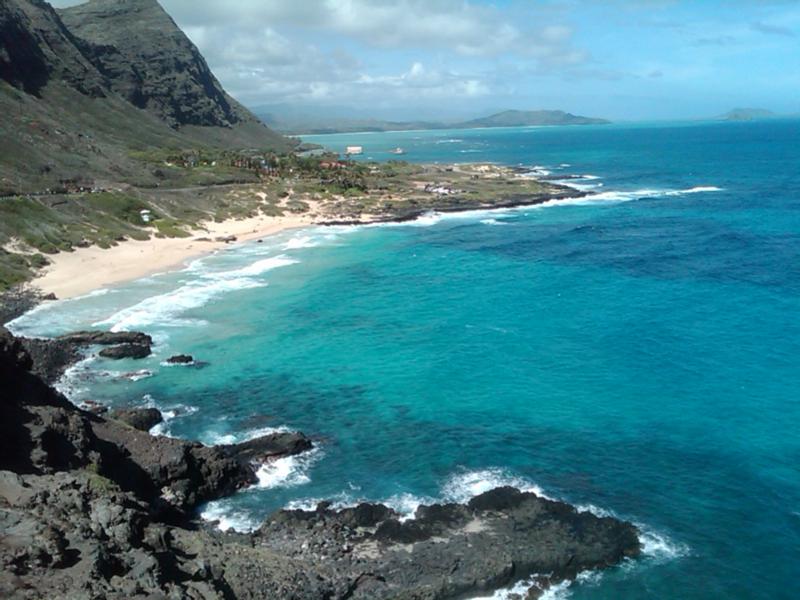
(36,47)
(149,61)
(83,89)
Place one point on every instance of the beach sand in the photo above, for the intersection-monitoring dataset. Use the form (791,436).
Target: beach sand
(76,273)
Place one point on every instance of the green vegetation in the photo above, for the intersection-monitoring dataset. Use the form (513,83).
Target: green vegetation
(265,183)
(170,228)
(18,268)
(97,482)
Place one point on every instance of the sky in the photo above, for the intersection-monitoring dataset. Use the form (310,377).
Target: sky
(417,59)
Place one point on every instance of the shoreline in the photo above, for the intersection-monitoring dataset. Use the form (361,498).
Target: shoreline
(73,274)
(84,270)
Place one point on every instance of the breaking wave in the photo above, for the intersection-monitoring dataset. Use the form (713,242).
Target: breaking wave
(165,309)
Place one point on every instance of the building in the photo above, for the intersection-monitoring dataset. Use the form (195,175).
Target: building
(354,150)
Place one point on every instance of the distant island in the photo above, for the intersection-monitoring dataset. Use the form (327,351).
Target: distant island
(298,123)
(747,114)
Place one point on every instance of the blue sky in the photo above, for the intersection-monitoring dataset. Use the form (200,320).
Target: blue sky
(621,59)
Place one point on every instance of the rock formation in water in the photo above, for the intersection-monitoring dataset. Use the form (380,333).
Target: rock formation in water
(94,507)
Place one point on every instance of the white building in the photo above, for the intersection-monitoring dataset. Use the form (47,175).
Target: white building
(354,150)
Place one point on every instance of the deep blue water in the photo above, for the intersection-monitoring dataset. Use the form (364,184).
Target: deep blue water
(636,353)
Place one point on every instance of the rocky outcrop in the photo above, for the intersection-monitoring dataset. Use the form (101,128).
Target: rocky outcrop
(52,357)
(125,351)
(180,359)
(94,508)
(447,550)
(143,419)
(41,432)
(268,447)
(18,300)
(106,338)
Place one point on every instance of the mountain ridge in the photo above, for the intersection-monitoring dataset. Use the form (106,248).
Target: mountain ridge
(747,114)
(299,124)
(87,87)
(148,60)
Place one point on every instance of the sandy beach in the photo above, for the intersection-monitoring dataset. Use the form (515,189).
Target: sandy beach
(76,273)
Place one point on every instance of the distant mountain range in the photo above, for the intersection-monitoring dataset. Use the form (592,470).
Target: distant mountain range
(84,87)
(298,123)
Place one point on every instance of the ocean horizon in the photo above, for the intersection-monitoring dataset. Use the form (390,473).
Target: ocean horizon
(632,352)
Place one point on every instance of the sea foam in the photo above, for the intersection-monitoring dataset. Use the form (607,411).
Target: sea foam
(466,485)
(228,518)
(284,472)
(164,309)
(290,471)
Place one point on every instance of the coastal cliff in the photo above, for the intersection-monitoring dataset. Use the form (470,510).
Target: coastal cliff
(92,507)
(147,60)
(90,86)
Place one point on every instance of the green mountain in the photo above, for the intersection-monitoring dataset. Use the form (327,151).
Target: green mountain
(82,90)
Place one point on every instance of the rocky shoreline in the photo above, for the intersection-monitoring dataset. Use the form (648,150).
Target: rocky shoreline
(460,204)
(92,506)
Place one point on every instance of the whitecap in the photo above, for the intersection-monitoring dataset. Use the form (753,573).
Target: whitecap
(127,375)
(597,511)
(619,196)
(658,546)
(228,518)
(258,268)
(464,486)
(557,591)
(492,222)
(72,383)
(295,243)
(424,220)
(166,363)
(168,414)
(336,502)
(695,190)
(406,504)
(215,438)
(163,309)
(286,472)
(655,545)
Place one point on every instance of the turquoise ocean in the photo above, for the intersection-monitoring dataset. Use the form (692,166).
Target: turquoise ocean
(635,353)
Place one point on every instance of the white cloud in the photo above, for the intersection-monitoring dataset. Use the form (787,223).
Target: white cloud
(266,51)
(455,25)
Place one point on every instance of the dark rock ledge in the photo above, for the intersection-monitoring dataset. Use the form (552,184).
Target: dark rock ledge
(91,507)
(52,357)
